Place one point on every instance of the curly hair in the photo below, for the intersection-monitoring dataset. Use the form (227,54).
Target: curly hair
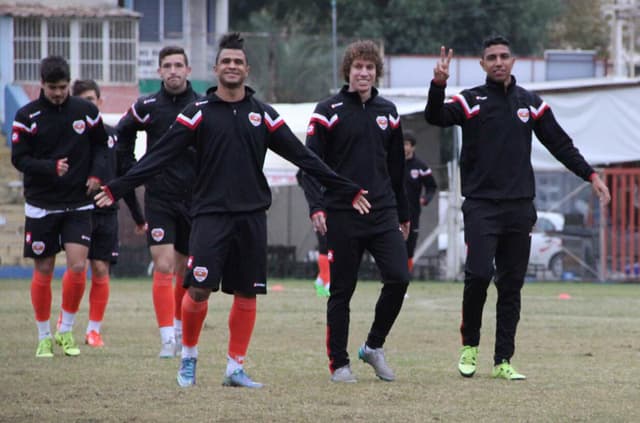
(365,50)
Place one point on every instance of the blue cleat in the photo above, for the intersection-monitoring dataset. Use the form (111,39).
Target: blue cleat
(187,373)
(241,379)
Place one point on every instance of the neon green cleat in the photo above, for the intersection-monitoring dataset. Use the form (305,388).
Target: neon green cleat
(468,360)
(68,344)
(45,348)
(506,371)
(321,289)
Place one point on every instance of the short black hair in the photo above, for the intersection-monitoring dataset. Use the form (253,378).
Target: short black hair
(494,40)
(83,85)
(233,41)
(54,69)
(169,50)
(409,135)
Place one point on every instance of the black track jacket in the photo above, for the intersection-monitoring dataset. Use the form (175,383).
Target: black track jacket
(417,175)
(231,140)
(495,161)
(363,142)
(154,114)
(44,133)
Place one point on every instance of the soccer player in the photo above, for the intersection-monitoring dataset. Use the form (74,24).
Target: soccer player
(231,131)
(323,280)
(417,175)
(497,120)
(358,134)
(103,250)
(58,143)
(168,195)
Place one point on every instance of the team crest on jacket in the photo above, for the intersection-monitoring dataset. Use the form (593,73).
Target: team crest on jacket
(15,137)
(37,247)
(255,119)
(111,142)
(157,234)
(79,126)
(414,173)
(311,129)
(330,256)
(382,122)
(523,114)
(200,273)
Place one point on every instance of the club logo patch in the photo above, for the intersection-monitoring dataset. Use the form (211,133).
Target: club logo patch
(414,173)
(79,126)
(255,119)
(330,256)
(15,137)
(37,247)
(523,114)
(200,273)
(111,142)
(311,129)
(157,234)
(382,122)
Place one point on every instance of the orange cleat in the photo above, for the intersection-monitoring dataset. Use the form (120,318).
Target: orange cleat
(94,339)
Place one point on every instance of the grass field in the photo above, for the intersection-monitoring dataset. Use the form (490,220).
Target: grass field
(581,356)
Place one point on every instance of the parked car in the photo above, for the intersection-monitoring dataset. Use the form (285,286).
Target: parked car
(546,254)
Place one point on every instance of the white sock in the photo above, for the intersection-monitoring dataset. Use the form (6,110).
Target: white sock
(44,330)
(177,327)
(167,334)
(93,325)
(189,352)
(232,366)
(67,322)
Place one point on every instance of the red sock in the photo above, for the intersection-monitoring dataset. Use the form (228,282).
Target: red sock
(323,267)
(98,297)
(163,298)
(193,315)
(41,295)
(72,290)
(411,264)
(242,318)
(178,293)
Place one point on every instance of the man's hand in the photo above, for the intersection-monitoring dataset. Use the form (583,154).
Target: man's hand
(405,228)
(319,222)
(93,184)
(601,189)
(102,199)
(441,71)
(361,204)
(141,229)
(62,166)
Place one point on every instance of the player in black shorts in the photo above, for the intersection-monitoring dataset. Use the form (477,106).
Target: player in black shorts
(103,251)
(168,194)
(58,142)
(231,131)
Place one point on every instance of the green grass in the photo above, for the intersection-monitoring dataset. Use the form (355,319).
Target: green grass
(581,357)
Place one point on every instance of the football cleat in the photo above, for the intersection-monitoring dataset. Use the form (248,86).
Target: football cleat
(45,348)
(94,339)
(240,379)
(468,360)
(506,371)
(68,343)
(375,358)
(187,373)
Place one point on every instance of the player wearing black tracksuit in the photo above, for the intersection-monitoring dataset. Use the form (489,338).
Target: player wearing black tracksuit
(498,185)
(362,141)
(167,195)
(417,175)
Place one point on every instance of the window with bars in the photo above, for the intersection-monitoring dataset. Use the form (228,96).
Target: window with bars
(104,50)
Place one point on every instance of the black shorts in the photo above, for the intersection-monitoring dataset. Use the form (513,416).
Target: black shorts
(322,243)
(350,234)
(104,237)
(45,237)
(169,223)
(229,249)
